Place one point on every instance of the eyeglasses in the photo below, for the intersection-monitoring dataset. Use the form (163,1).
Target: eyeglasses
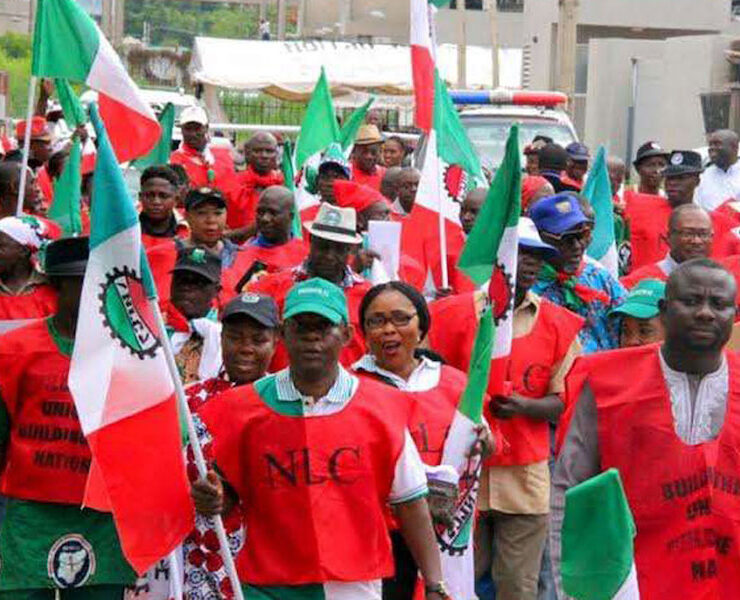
(689,234)
(397,318)
(578,237)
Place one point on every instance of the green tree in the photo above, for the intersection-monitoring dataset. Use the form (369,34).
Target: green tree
(15,58)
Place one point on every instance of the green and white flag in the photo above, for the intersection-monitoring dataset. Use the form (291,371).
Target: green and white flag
(352,125)
(490,253)
(598,190)
(160,154)
(597,542)
(65,208)
(456,542)
(319,127)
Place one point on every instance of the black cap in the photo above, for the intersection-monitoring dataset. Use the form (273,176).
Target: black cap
(683,162)
(260,308)
(552,157)
(200,261)
(67,257)
(648,150)
(203,195)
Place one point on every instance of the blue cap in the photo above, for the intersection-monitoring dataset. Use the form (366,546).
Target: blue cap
(557,214)
(577,151)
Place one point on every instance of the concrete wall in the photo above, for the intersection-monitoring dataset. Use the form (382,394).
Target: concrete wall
(671,76)
(394,24)
(14,16)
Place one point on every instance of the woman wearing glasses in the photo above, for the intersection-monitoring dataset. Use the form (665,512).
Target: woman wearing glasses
(395,320)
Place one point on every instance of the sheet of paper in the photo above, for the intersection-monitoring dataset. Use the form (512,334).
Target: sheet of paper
(384,237)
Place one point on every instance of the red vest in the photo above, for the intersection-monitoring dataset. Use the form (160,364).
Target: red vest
(432,413)
(454,325)
(41,301)
(533,359)
(372,180)
(685,499)
(162,260)
(242,209)
(652,271)
(647,215)
(276,258)
(313,488)
(277,286)
(47,458)
(220,174)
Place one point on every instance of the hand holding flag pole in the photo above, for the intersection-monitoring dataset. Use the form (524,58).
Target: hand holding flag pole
(200,460)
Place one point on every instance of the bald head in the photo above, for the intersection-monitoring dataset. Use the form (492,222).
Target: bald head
(471,208)
(408,183)
(689,233)
(723,147)
(260,152)
(275,210)
(390,181)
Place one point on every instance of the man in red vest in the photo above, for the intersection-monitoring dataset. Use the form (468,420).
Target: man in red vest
(366,157)
(158,195)
(205,164)
(333,237)
(668,418)
(689,235)
(641,205)
(274,248)
(260,174)
(48,540)
(314,455)
(576,166)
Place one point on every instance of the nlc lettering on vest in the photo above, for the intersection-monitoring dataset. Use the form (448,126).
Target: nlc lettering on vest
(304,467)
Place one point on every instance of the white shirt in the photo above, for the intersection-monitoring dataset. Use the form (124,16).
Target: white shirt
(698,404)
(668,264)
(717,186)
(423,378)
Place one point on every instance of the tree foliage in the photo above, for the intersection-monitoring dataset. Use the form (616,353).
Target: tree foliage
(15,58)
(177,22)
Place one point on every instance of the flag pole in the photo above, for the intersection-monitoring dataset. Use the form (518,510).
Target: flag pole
(26,147)
(200,461)
(442,225)
(176,576)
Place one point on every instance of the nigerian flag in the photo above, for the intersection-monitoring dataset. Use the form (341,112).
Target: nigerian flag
(598,190)
(120,383)
(490,252)
(456,542)
(65,208)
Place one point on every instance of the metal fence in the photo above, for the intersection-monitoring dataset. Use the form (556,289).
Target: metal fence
(260,109)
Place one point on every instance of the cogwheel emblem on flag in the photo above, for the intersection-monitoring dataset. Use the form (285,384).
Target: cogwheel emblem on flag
(500,293)
(456,183)
(127,314)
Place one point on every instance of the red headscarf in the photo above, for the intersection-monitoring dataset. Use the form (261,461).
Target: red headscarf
(350,194)
(531,184)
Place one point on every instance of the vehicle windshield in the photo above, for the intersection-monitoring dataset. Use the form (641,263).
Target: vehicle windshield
(488,135)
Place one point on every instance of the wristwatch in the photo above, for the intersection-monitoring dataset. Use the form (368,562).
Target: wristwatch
(437,588)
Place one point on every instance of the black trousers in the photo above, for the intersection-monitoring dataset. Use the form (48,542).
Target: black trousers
(401,586)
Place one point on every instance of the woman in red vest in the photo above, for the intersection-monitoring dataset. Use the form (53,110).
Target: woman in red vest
(24,291)
(395,320)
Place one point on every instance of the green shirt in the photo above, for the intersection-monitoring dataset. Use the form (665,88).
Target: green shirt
(45,545)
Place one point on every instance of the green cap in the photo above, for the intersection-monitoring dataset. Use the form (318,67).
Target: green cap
(597,538)
(317,296)
(642,300)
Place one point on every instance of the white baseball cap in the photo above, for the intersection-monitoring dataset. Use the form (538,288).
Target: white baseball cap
(530,238)
(194,114)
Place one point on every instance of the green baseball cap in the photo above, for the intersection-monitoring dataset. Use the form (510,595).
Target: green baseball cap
(317,296)
(642,300)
